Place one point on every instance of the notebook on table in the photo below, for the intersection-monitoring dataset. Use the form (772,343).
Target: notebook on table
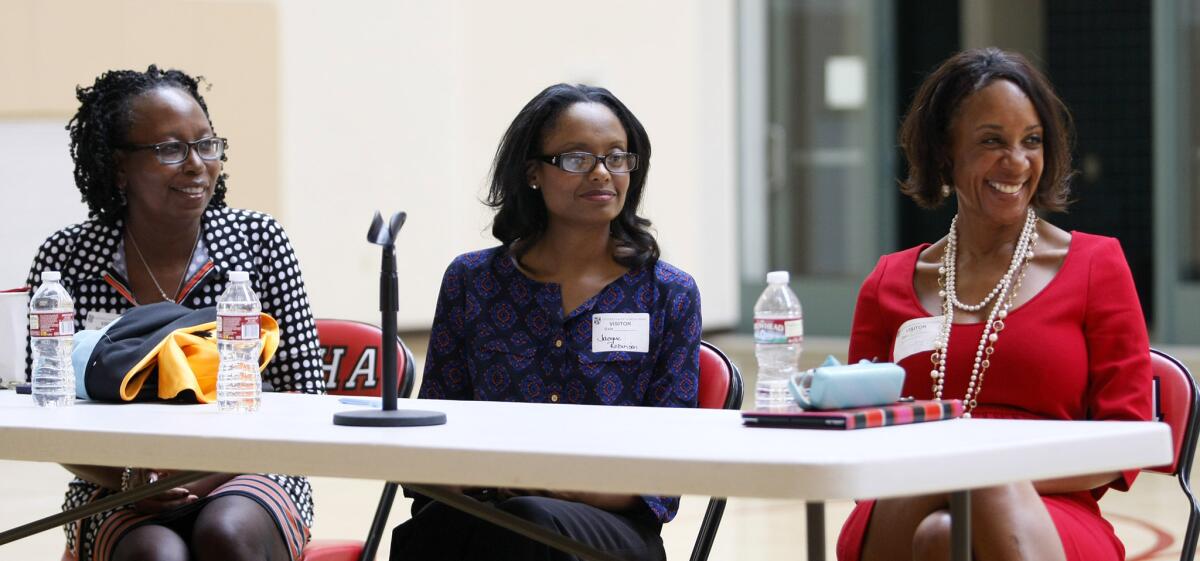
(900,413)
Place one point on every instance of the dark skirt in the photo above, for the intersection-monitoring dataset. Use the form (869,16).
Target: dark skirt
(439,532)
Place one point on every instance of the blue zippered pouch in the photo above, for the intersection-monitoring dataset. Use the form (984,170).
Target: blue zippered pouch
(834,385)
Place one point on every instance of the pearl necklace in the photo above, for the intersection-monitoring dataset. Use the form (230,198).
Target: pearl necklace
(947,279)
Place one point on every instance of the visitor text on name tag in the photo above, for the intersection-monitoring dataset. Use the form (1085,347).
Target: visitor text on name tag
(620,332)
(916,336)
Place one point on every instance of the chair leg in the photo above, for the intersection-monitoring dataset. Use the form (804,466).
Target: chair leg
(1188,552)
(380,522)
(708,529)
(1190,535)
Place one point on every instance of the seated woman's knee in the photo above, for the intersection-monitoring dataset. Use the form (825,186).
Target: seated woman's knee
(151,543)
(534,509)
(232,527)
(1000,496)
(931,540)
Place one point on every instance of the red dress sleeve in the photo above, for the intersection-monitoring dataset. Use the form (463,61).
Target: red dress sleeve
(1119,376)
(869,336)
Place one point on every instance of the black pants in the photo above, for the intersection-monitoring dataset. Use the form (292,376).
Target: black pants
(440,533)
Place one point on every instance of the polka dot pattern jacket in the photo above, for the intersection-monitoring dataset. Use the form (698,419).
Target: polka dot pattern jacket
(234,240)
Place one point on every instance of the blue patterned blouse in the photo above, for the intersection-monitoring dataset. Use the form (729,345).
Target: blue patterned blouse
(500,336)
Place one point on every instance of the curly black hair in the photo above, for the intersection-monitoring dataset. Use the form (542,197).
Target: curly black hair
(521,217)
(101,125)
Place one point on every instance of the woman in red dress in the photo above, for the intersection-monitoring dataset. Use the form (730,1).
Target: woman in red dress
(1016,317)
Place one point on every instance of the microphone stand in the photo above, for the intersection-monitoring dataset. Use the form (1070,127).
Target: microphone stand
(388,415)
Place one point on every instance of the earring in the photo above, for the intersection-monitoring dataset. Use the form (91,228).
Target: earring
(946,190)
(532,186)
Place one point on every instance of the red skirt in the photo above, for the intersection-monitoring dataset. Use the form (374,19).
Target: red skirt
(1085,534)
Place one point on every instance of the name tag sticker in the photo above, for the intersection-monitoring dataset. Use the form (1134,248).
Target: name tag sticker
(620,332)
(97,320)
(916,336)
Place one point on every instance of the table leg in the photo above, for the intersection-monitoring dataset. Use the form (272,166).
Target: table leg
(960,526)
(512,522)
(96,507)
(814,516)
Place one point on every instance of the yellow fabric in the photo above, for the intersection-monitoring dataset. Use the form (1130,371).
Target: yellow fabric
(187,360)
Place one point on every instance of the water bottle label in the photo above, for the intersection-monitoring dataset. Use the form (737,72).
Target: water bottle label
(238,328)
(768,331)
(52,324)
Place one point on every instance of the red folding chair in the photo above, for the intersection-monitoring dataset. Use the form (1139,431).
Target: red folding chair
(1176,402)
(352,361)
(720,388)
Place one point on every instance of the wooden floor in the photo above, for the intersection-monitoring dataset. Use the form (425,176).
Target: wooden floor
(1150,519)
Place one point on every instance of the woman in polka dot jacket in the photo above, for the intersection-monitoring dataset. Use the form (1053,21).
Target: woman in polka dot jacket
(149,166)
(574,308)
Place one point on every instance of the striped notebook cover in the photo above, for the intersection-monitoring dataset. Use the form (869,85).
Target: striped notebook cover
(860,418)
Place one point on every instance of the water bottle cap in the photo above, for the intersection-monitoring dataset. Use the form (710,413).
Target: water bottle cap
(778,277)
(239,276)
(51,276)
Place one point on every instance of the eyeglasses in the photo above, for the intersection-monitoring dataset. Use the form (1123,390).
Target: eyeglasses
(175,151)
(585,162)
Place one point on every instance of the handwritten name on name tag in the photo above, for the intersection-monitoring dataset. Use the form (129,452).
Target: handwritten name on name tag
(620,332)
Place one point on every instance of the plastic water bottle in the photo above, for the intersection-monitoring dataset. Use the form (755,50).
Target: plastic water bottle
(239,386)
(778,340)
(51,328)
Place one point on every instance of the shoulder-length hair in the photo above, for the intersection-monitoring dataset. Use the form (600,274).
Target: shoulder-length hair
(925,134)
(521,216)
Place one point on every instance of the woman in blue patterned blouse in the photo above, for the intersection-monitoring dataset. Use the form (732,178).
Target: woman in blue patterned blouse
(523,321)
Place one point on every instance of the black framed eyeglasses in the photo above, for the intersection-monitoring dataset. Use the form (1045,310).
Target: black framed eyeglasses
(585,162)
(175,151)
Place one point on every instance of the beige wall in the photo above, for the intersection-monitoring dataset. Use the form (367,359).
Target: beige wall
(334,110)
(400,105)
(47,47)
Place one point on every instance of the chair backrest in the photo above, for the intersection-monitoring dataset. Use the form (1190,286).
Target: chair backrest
(720,380)
(720,388)
(1176,402)
(353,363)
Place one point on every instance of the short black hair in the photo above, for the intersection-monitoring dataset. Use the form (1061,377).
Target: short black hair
(925,134)
(521,216)
(100,127)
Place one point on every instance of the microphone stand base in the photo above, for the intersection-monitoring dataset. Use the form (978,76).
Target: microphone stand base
(396,418)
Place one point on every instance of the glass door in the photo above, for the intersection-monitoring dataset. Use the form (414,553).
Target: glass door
(817,150)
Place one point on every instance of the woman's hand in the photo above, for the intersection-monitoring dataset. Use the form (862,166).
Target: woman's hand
(177,496)
(164,501)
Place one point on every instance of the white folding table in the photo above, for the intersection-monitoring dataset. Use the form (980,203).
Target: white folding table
(585,448)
